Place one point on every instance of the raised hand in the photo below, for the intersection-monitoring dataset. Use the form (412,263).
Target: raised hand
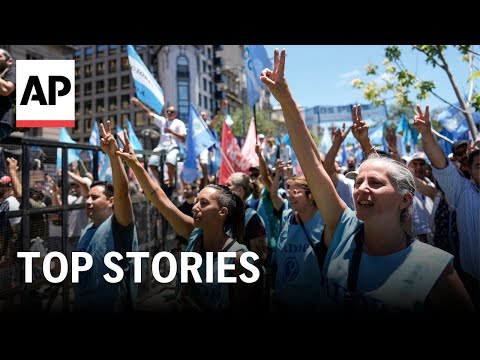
(127,153)
(359,127)
(422,121)
(12,164)
(275,80)
(107,142)
(339,135)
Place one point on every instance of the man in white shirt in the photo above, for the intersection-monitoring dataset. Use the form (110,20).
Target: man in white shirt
(173,134)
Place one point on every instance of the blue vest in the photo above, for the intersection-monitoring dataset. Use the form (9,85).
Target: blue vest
(397,282)
(93,292)
(298,285)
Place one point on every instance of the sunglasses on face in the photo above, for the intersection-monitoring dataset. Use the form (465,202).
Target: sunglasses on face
(170,112)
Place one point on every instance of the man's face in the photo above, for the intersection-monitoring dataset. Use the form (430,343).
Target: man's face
(417,166)
(99,208)
(460,154)
(4,61)
(171,113)
(204,115)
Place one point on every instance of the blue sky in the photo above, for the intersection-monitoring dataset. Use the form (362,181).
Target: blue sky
(321,74)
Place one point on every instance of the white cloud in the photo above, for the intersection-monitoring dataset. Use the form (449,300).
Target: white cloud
(346,78)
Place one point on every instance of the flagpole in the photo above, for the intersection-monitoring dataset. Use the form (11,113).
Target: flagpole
(442,136)
(255,122)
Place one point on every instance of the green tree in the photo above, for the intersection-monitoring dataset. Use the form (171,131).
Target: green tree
(404,84)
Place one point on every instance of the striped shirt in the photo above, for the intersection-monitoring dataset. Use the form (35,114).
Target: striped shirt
(465,197)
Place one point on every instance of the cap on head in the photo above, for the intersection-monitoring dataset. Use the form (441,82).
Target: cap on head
(418,156)
(261,136)
(459,143)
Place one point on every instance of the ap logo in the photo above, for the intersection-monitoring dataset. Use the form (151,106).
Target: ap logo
(45,93)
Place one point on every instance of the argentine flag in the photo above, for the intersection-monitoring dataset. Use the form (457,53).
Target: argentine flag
(199,138)
(146,87)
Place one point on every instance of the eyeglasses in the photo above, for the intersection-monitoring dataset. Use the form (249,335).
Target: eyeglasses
(294,192)
(170,111)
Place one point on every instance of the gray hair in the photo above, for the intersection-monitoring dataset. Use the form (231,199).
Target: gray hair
(243,181)
(402,180)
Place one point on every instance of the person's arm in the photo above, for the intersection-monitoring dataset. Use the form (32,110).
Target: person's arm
(426,190)
(218,115)
(181,223)
(6,87)
(122,208)
(81,182)
(262,167)
(430,144)
(182,137)
(330,205)
(16,183)
(449,294)
(277,200)
(137,102)
(360,131)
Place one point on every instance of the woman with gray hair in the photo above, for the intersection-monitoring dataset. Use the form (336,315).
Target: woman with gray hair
(372,262)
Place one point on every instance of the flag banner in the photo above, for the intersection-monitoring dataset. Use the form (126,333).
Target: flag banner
(232,151)
(133,138)
(199,138)
(146,87)
(73,154)
(248,149)
(256,59)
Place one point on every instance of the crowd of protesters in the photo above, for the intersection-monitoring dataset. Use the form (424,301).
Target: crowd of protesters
(389,234)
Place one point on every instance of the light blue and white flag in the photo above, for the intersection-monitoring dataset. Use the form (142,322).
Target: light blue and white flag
(199,138)
(146,87)
(256,59)
(72,154)
(133,137)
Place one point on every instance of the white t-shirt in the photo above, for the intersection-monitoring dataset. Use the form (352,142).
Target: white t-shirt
(168,140)
(14,205)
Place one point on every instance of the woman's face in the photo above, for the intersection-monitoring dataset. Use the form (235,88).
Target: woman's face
(206,212)
(374,195)
(299,197)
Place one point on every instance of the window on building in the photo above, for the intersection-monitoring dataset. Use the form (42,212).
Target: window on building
(101,50)
(100,68)
(199,99)
(112,49)
(87,71)
(112,66)
(183,87)
(113,121)
(205,102)
(182,68)
(125,80)
(112,103)
(88,53)
(139,118)
(209,52)
(88,125)
(112,84)
(205,84)
(77,89)
(100,84)
(87,107)
(125,63)
(87,88)
(77,73)
(99,120)
(100,106)
(77,110)
(125,101)
(33,56)
(212,110)
(77,54)
(204,66)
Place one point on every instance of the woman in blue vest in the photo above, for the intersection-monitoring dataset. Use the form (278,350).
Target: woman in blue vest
(217,211)
(372,263)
